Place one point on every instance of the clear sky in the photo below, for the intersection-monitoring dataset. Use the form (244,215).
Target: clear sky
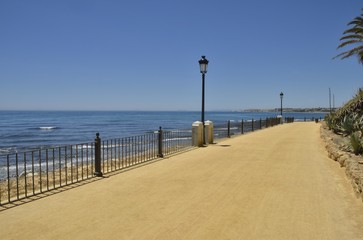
(143,54)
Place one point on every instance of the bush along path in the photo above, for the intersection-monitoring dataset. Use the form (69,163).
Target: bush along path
(348,122)
(343,135)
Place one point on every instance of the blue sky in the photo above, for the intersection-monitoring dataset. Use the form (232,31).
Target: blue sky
(143,55)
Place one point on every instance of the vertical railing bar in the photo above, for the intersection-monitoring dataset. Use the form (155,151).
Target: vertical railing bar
(93,149)
(142,148)
(71,163)
(156,144)
(128,152)
(77,170)
(167,143)
(109,161)
(82,159)
(53,158)
(66,163)
(122,153)
(112,160)
(150,146)
(145,153)
(33,172)
(103,156)
(1,191)
(115,152)
(40,171)
(133,151)
(152,142)
(260,123)
(47,168)
(87,156)
(126,146)
(125,151)
(242,132)
(17,175)
(139,145)
(119,153)
(139,151)
(25,177)
(60,165)
(8,176)
(107,156)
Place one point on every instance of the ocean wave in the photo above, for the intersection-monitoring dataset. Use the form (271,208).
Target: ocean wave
(48,128)
(7,150)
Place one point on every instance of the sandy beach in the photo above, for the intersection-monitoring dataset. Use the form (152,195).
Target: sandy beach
(277,183)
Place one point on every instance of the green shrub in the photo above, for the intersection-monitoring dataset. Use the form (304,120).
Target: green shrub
(356,143)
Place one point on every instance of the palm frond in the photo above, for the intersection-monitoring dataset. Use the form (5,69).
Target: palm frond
(349,43)
(357,21)
(347,54)
(360,57)
(355,51)
(353,36)
(354,30)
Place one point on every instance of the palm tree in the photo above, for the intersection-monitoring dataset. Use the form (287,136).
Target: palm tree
(354,37)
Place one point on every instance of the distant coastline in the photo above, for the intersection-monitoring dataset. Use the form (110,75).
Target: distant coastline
(303,110)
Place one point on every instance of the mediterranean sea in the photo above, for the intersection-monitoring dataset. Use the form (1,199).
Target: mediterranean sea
(27,130)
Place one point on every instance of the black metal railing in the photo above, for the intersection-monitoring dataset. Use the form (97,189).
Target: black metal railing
(230,128)
(29,173)
(26,174)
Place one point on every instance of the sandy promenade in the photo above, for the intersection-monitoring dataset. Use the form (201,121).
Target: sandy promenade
(272,184)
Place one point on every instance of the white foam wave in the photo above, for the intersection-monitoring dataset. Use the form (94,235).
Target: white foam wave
(47,128)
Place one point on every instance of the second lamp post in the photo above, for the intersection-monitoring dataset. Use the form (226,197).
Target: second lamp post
(203,64)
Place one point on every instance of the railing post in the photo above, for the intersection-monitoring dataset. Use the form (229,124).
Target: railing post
(229,129)
(252,125)
(98,172)
(242,127)
(160,143)
(260,123)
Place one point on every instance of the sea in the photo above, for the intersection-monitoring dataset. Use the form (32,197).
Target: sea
(28,130)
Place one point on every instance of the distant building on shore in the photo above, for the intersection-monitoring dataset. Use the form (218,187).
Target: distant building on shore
(319,109)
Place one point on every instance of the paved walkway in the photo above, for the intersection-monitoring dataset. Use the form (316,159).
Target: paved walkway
(271,184)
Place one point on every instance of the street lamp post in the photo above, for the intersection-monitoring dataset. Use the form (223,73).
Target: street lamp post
(203,64)
(281,96)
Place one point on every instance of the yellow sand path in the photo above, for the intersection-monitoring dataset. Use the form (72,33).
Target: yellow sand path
(272,184)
